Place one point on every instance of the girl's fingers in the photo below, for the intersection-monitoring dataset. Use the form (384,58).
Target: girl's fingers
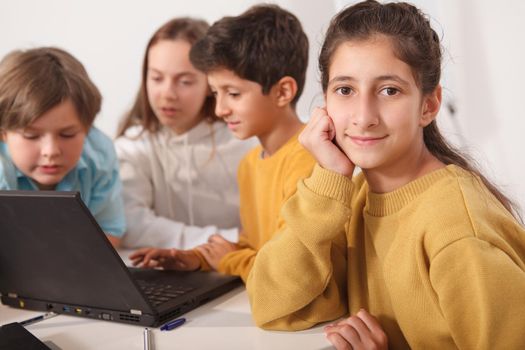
(318,118)
(377,333)
(350,333)
(338,341)
(316,133)
(318,113)
(356,332)
(362,331)
(369,320)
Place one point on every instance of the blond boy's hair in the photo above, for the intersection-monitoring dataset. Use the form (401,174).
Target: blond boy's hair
(35,80)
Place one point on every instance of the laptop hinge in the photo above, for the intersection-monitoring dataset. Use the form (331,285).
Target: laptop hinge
(135,312)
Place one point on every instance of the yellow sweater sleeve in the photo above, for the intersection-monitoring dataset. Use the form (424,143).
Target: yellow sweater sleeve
(295,165)
(238,263)
(299,277)
(483,284)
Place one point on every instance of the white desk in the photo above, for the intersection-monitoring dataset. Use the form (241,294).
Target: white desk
(224,323)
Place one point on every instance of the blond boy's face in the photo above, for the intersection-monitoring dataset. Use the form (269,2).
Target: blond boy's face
(242,104)
(50,147)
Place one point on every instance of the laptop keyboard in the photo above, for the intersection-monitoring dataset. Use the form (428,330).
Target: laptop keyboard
(158,292)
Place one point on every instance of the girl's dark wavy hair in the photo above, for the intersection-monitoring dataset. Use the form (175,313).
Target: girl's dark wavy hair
(416,44)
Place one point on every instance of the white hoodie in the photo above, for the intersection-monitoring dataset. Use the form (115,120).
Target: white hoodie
(180,189)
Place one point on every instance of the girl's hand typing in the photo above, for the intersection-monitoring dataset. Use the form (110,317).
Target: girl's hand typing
(318,137)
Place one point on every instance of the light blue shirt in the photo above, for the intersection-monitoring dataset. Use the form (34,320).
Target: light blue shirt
(95,176)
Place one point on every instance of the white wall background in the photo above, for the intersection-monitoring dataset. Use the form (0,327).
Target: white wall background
(484,63)
(109,38)
(485,71)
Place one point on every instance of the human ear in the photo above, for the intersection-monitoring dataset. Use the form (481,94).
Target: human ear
(285,90)
(430,107)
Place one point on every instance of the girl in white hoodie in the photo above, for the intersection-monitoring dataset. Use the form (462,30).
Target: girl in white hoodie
(178,162)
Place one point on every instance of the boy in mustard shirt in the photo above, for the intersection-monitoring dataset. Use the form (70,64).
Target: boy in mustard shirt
(256,65)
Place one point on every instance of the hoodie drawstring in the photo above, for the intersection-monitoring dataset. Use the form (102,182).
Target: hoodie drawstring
(188,179)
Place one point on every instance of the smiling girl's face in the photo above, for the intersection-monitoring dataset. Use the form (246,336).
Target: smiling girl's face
(377,108)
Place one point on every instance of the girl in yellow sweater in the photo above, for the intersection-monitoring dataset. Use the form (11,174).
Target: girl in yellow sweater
(420,249)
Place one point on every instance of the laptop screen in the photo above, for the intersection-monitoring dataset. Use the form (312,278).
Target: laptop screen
(54,256)
(52,249)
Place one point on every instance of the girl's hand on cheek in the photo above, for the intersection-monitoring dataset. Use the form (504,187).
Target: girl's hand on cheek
(318,137)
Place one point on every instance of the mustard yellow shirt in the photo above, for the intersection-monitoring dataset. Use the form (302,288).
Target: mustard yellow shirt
(439,262)
(264,186)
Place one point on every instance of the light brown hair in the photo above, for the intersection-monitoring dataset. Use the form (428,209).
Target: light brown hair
(35,80)
(187,29)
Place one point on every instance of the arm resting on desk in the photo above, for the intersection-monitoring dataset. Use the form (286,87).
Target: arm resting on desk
(299,278)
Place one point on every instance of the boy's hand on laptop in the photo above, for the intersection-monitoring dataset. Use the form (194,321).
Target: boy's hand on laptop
(168,259)
(318,137)
(215,249)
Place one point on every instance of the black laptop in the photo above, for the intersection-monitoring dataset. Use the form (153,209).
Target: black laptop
(55,257)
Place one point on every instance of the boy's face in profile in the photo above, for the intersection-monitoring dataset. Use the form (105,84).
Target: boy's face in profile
(242,104)
(47,149)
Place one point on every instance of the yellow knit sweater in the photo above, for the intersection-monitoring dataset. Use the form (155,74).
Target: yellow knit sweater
(439,262)
(264,186)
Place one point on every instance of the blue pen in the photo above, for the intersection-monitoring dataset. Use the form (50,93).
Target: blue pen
(173,324)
